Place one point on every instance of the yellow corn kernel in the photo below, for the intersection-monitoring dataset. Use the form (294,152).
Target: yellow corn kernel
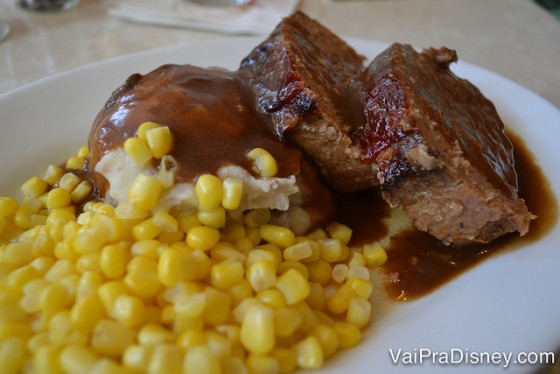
(83,152)
(257,329)
(126,210)
(22,216)
(146,248)
(339,302)
(361,287)
(18,253)
(34,187)
(111,338)
(165,221)
(187,222)
(259,363)
(348,334)
(317,298)
(165,358)
(137,150)
(144,127)
(340,231)
(8,206)
(310,319)
(358,272)
(177,266)
(240,292)
(225,251)
(309,353)
(217,307)
(46,360)
(232,193)
(81,192)
(234,365)
(90,240)
(226,274)
(86,312)
(154,334)
(60,270)
(374,254)
(146,230)
(202,237)
(272,298)
(264,165)
(298,251)
(261,275)
(327,337)
(257,218)
(233,232)
(108,293)
(89,283)
(142,277)
(75,163)
(69,181)
(52,174)
(145,191)
(213,218)
(339,272)
(269,253)
(294,286)
(331,249)
(88,262)
(76,359)
(201,359)
(287,360)
(137,357)
(58,198)
(20,276)
(129,310)
(208,190)
(113,261)
(287,321)
(359,312)
(107,366)
(159,141)
(252,238)
(320,272)
(279,235)
(53,298)
(191,338)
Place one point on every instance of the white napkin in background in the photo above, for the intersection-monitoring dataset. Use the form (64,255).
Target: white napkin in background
(259,17)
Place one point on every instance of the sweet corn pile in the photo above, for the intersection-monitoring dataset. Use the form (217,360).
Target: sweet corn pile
(86,287)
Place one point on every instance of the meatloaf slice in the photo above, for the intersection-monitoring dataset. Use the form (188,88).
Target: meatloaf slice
(301,76)
(440,146)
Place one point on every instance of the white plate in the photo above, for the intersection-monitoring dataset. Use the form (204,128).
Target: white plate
(510,303)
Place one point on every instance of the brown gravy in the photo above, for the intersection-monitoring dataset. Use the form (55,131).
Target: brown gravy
(420,262)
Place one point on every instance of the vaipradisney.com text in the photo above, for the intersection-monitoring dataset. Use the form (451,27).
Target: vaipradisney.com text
(463,356)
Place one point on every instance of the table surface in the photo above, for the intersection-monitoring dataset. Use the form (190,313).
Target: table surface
(514,38)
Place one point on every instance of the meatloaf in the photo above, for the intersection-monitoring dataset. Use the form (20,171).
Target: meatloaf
(301,76)
(440,147)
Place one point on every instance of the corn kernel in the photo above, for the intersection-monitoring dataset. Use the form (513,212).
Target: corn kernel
(18,253)
(361,287)
(264,165)
(287,321)
(165,222)
(165,358)
(272,297)
(257,218)
(137,150)
(81,192)
(126,210)
(202,237)
(232,193)
(339,231)
(226,274)
(111,338)
(108,293)
(34,187)
(46,360)
(175,266)
(137,357)
(217,307)
(159,141)
(279,235)
(144,192)
(142,277)
(358,272)
(144,127)
(53,298)
(77,359)
(53,174)
(259,363)
(320,272)
(331,249)
(359,312)
(261,275)
(348,334)
(113,261)
(339,272)
(298,251)
(294,286)
(257,329)
(75,163)
(86,312)
(309,353)
(327,337)
(129,310)
(146,230)
(340,301)
(200,359)
(58,198)
(287,360)
(208,190)
(374,254)
(69,181)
